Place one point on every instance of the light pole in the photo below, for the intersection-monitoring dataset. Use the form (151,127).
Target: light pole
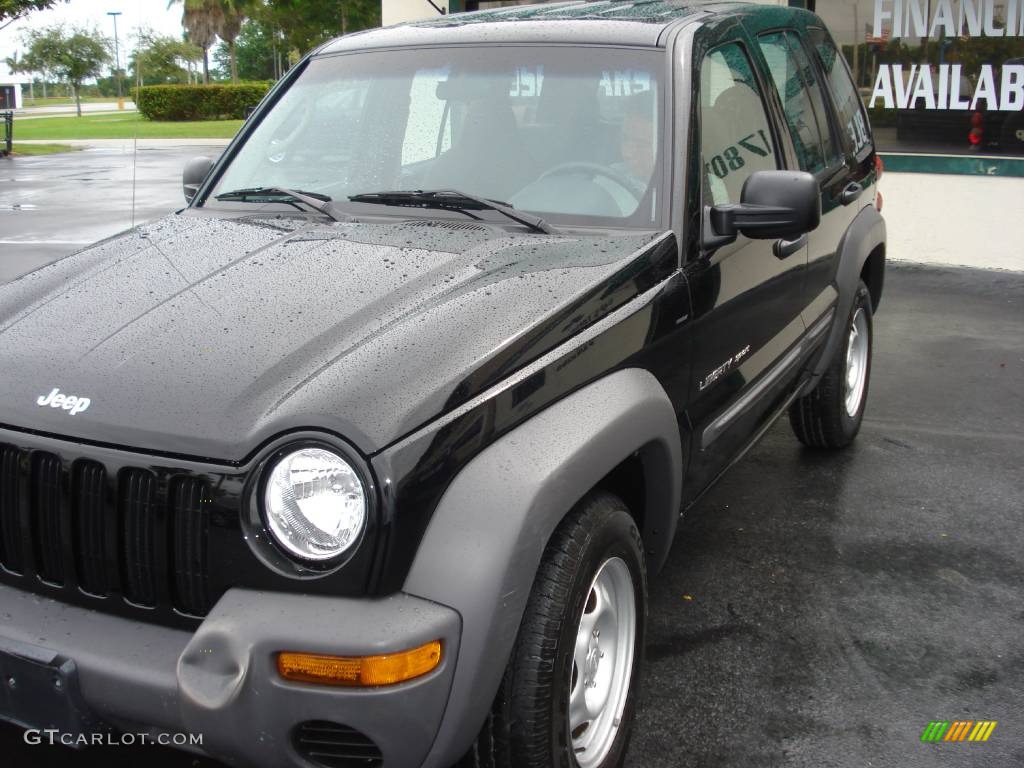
(117,54)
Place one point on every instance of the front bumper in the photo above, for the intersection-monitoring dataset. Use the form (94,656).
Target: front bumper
(221,681)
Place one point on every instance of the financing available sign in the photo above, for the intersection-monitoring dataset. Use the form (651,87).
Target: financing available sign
(949,85)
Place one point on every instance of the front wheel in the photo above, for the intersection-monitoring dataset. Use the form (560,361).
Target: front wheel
(569,693)
(830,416)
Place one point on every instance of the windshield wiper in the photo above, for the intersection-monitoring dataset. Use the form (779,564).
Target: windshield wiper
(315,200)
(453,200)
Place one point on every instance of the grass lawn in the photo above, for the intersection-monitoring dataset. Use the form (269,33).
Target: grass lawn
(120,126)
(42,149)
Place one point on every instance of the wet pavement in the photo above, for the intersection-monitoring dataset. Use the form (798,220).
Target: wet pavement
(842,602)
(51,205)
(817,609)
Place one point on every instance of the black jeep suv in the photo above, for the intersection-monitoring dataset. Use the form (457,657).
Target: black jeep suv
(365,457)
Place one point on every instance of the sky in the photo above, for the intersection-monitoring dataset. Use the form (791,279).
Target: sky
(93,13)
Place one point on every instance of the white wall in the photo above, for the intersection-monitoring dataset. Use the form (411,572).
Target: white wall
(397,11)
(971,221)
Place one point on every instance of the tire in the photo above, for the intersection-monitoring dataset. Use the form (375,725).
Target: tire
(830,415)
(594,559)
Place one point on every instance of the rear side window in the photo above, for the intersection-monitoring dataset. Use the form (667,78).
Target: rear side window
(802,100)
(852,121)
(736,138)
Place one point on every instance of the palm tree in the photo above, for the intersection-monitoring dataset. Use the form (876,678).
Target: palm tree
(201,20)
(233,13)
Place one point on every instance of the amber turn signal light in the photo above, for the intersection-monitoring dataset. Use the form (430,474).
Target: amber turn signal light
(359,671)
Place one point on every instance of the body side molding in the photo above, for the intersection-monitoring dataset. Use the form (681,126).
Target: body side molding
(781,366)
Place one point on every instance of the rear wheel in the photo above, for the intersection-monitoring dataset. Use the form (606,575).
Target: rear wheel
(830,416)
(569,693)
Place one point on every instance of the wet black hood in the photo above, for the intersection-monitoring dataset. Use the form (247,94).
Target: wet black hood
(206,336)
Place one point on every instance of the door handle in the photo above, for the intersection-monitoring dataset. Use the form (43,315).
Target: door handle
(850,193)
(784,248)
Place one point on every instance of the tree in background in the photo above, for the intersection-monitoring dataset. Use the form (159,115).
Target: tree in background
(250,27)
(233,13)
(12,10)
(975,52)
(161,59)
(970,52)
(72,56)
(12,62)
(201,20)
(306,24)
(254,53)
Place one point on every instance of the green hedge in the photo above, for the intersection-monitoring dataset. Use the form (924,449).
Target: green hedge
(216,101)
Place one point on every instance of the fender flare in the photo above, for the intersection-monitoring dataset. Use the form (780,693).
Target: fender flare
(862,237)
(484,543)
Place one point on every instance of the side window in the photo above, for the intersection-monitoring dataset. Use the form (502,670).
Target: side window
(800,94)
(852,121)
(736,137)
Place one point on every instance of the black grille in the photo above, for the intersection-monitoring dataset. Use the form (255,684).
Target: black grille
(125,534)
(10,513)
(140,530)
(335,745)
(191,524)
(151,537)
(88,493)
(45,503)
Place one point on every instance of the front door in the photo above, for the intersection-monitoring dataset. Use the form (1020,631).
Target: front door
(746,295)
(820,149)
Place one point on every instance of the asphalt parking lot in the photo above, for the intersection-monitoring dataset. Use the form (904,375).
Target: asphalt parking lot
(51,205)
(817,610)
(840,603)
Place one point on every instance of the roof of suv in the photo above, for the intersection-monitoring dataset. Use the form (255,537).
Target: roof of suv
(623,22)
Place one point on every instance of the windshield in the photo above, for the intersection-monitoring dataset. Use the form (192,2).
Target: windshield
(571,134)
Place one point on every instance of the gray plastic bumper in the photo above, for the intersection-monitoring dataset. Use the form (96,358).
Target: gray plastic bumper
(221,681)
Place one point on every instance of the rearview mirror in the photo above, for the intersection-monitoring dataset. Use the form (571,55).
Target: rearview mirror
(773,204)
(193,176)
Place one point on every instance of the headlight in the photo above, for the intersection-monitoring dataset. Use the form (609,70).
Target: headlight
(315,504)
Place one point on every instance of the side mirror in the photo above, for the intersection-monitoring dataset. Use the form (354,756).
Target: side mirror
(773,204)
(193,176)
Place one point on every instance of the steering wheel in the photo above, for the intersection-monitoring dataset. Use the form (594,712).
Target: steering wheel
(595,169)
